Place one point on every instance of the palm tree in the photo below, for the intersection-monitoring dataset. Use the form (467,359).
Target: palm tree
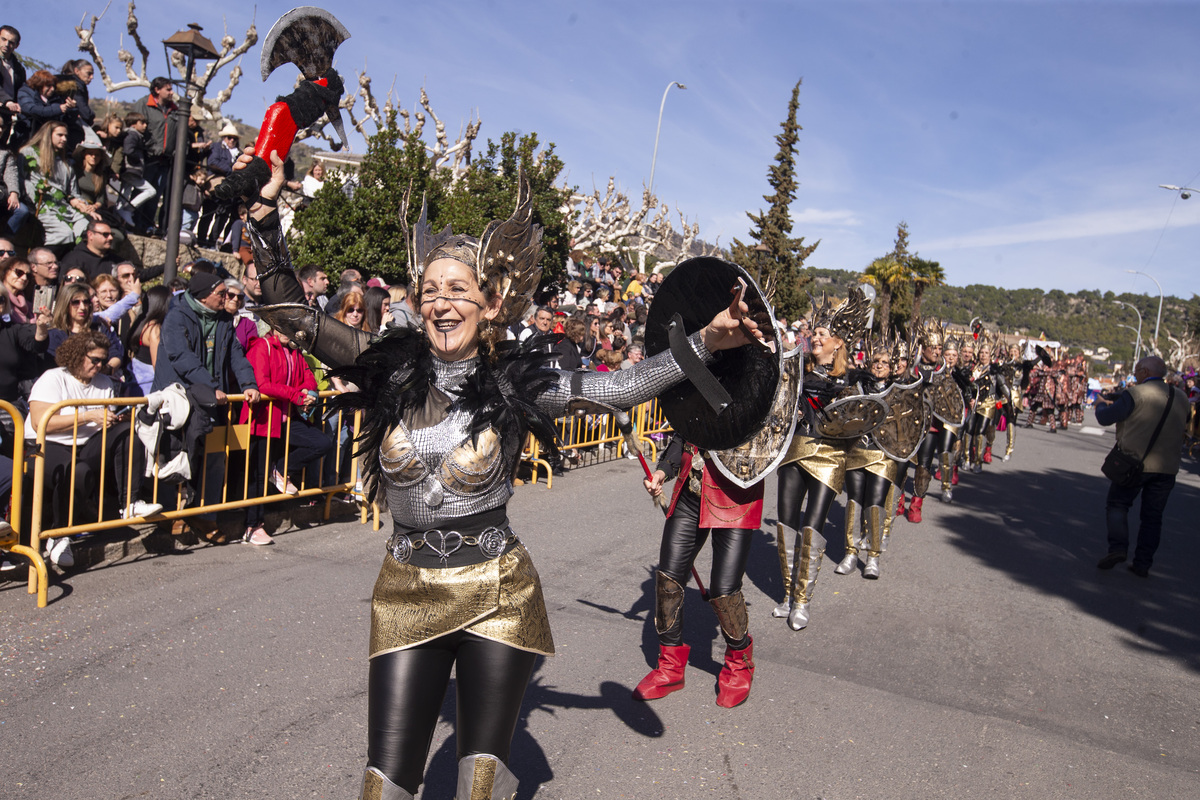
(886,274)
(924,274)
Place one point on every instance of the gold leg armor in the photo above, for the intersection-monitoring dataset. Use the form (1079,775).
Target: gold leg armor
(731,613)
(849,562)
(1011,440)
(668,601)
(811,547)
(782,534)
(484,777)
(977,444)
(376,786)
(874,517)
(889,514)
(947,477)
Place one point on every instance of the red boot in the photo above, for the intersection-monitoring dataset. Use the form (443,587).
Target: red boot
(668,676)
(733,684)
(914,509)
(987,454)
(900,506)
(954,476)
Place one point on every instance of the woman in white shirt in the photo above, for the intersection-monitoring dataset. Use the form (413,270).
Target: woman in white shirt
(77,443)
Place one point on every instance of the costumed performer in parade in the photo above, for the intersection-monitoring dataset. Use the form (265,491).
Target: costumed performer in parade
(447,408)
(704,503)
(944,393)
(814,469)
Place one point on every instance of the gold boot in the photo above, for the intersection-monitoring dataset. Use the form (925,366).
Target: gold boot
(889,514)
(376,786)
(947,478)
(804,575)
(874,541)
(1011,439)
(484,777)
(849,562)
(785,567)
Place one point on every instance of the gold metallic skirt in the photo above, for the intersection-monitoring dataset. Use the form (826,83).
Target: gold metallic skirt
(500,599)
(875,462)
(824,459)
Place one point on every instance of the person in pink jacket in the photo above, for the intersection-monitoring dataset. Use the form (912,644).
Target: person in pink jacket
(281,426)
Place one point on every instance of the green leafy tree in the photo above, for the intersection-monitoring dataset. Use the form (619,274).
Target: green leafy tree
(362,229)
(773,228)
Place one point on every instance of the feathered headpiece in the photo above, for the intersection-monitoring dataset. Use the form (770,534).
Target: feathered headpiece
(847,321)
(506,258)
(931,333)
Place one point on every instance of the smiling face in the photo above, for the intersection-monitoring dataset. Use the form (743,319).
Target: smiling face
(824,345)
(108,294)
(453,305)
(17,277)
(881,366)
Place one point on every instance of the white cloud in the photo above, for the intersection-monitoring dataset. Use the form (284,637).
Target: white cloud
(834,217)
(1070,226)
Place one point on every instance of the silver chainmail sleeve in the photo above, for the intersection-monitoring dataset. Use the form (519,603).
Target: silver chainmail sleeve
(624,388)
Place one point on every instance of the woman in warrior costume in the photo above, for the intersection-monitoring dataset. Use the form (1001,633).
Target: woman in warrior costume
(814,467)
(981,395)
(953,366)
(940,439)
(704,502)
(447,410)
(870,480)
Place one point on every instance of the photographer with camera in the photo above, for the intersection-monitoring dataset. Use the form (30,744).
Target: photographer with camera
(1150,419)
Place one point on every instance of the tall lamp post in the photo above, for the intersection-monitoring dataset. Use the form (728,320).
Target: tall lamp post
(194,47)
(658,130)
(1160,304)
(1138,352)
(1137,345)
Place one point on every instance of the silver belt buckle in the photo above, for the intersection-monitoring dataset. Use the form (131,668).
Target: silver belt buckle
(451,543)
(401,547)
(492,542)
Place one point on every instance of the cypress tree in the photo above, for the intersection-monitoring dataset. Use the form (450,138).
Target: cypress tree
(773,228)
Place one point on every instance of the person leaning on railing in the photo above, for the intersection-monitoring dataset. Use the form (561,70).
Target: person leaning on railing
(284,377)
(74,441)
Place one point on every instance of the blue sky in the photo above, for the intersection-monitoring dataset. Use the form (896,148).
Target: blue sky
(1022,142)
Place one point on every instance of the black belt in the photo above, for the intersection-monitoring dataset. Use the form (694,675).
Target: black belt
(490,543)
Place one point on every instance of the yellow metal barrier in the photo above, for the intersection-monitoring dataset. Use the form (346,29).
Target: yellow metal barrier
(11,539)
(229,438)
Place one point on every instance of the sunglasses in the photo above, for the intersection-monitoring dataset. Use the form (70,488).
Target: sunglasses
(354,310)
(96,362)
(233,296)
(20,273)
(74,279)
(4,252)
(80,301)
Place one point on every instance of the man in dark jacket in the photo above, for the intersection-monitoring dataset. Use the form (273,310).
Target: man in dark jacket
(197,348)
(1137,412)
(157,108)
(12,71)
(94,254)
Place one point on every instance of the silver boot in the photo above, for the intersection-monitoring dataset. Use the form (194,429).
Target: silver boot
(849,563)
(376,786)
(484,777)
(804,575)
(874,519)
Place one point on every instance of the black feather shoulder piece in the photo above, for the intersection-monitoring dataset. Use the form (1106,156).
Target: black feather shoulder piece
(504,390)
(392,375)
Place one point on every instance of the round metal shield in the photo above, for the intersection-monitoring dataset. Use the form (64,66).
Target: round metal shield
(697,290)
(851,417)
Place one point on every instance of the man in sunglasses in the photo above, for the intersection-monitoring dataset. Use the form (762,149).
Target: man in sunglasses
(94,254)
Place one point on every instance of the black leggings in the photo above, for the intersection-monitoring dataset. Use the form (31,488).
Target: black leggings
(794,485)
(866,488)
(405,696)
(936,442)
(682,540)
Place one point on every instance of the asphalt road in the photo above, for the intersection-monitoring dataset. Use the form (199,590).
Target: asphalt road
(991,660)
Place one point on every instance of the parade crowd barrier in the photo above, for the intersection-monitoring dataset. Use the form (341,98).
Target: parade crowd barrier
(101,508)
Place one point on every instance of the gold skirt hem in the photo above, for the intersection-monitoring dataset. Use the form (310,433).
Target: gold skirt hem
(500,599)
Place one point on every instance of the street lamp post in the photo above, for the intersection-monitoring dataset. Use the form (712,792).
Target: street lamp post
(658,130)
(1138,352)
(193,46)
(1160,305)
(1139,340)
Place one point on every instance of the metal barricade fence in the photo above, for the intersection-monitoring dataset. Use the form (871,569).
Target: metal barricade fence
(10,540)
(577,433)
(226,439)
